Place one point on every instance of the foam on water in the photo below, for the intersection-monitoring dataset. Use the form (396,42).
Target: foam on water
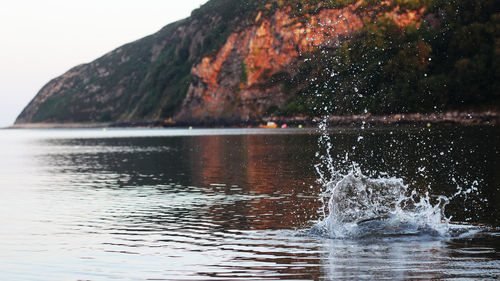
(360,207)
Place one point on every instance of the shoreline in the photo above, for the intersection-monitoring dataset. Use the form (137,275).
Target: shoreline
(59,125)
(449,118)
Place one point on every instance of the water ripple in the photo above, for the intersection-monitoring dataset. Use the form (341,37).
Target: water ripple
(197,208)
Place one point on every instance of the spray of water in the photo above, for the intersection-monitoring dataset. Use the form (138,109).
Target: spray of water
(358,206)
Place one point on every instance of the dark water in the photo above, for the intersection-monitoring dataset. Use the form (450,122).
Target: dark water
(230,204)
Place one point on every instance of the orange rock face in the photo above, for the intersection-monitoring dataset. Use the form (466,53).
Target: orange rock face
(406,18)
(209,67)
(229,84)
(275,43)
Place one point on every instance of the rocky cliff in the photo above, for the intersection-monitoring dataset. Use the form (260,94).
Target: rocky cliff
(235,60)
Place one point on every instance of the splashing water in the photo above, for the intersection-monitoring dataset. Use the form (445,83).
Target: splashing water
(358,206)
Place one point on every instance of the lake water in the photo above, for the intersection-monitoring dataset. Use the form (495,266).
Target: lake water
(146,204)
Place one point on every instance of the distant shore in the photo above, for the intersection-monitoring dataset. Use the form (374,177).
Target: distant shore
(458,118)
(59,125)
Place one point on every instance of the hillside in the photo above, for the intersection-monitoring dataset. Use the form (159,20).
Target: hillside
(235,60)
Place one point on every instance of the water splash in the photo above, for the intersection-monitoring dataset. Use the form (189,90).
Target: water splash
(360,206)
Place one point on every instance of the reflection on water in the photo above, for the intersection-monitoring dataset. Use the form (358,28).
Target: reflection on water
(228,204)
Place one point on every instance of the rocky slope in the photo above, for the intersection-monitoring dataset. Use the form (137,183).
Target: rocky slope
(235,60)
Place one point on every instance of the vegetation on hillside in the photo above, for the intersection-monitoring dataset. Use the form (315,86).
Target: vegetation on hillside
(67,104)
(152,89)
(169,77)
(450,62)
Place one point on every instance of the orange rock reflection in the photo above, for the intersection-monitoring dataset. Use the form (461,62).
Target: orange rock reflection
(259,166)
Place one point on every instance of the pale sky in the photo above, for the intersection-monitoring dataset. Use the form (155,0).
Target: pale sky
(42,39)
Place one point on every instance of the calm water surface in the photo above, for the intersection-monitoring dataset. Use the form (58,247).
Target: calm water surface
(230,204)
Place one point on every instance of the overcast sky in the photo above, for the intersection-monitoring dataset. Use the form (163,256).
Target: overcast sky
(41,40)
